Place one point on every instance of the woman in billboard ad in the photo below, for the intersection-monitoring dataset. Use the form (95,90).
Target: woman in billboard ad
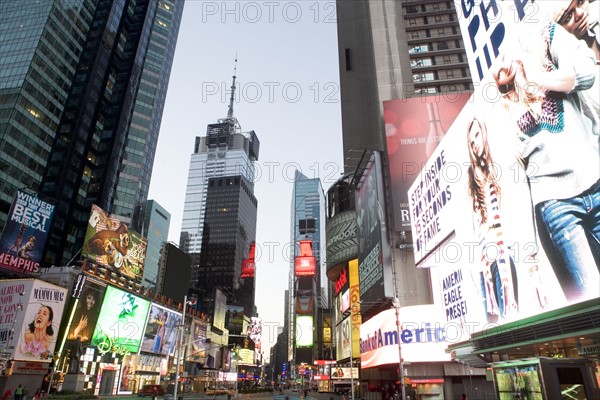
(498,276)
(559,151)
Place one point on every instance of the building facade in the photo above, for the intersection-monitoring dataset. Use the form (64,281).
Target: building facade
(83,90)
(307,288)
(156,230)
(390,50)
(224,151)
(229,228)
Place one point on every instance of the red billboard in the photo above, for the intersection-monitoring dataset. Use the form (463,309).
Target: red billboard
(305,262)
(248,265)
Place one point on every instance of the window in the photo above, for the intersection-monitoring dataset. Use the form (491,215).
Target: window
(446,59)
(414,34)
(348,60)
(449,73)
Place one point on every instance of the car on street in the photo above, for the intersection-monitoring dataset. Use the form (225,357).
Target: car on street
(150,390)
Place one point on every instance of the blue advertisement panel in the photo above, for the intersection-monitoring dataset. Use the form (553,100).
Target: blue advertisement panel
(25,233)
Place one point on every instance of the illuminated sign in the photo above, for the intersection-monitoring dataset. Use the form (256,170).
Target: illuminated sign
(304,331)
(423,336)
(87,309)
(30,319)
(160,336)
(305,262)
(249,265)
(341,282)
(24,236)
(110,242)
(414,127)
(246,357)
(486,205)
(119,327)
(374,252)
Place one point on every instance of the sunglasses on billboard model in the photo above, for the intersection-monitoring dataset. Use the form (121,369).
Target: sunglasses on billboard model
(507,87)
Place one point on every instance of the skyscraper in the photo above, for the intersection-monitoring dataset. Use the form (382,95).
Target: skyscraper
(83,86)
(219,214)
(389,50)
(224,151)
(229,228)
(156,230)
(307,224)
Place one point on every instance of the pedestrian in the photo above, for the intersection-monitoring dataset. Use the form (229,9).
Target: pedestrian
(463,397)
(7,395)
(19,393)
(25,392)
(37,394)
(155,394)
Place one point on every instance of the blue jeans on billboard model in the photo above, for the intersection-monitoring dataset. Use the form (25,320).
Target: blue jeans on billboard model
(569,231)
(495,290)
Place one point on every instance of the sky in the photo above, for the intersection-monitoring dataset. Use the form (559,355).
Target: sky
(287,92)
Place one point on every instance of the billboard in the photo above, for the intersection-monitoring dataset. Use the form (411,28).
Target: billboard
(220,309)
(234,318)
(305,261)
(498,208)
(248,265)
(87,309)
(304,331)
(343,340)
(344,373)
(245,356)
(423,336)
(160,336)
(255,331)
(374,253)
(413,128)
(24,236)
(31,315)
(197,345)
(304,296)
(121,323)
(110,242)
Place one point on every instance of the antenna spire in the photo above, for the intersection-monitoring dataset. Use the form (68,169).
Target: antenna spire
(230,110)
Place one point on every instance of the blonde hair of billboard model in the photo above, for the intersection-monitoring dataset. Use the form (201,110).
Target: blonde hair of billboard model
(559,151)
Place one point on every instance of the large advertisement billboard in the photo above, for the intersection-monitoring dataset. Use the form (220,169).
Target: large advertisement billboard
(30,318)
(413,128)
(89,296)
(507,205)
(422,337)
(121,322)
(197,345)
(305,261)
(304,331)
(25,233)
(374,253)
(110,242)
(160,336)
(220,309)
(249,264)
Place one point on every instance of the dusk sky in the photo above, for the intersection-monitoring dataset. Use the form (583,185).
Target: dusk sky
(287,92)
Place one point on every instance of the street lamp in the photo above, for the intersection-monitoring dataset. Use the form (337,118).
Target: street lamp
(179,347)
(396,304)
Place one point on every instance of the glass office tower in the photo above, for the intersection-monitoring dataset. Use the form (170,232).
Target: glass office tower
(156,230)
(83,85)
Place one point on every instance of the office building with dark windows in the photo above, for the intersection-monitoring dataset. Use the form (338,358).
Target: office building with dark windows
(82,91)
(229,228)
(156,230)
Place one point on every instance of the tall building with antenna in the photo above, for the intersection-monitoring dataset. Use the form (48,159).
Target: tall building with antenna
(219,213)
